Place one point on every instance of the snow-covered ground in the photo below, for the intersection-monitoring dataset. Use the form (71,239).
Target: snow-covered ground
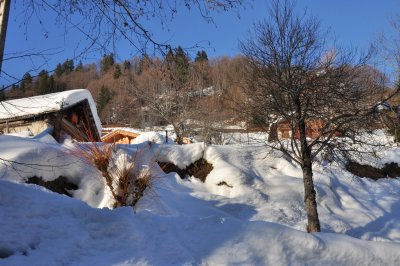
(256,217)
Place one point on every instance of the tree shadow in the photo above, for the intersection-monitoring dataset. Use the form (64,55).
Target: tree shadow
(381,227)
(197,227)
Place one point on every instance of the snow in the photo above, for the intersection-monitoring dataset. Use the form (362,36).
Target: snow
(47,103)
(202,92)
(154,137)
(180,155)
(49,160)
(158,136)
(258,218)
(198,233)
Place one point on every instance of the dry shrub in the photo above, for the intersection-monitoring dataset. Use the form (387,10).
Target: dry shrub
(98,155)
(142,182)
(132,179)
(125,176)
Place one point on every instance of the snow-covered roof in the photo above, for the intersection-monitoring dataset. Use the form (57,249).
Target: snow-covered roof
(46,104)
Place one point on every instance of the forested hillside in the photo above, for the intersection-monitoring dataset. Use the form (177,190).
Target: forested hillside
(199,93)
(147,91)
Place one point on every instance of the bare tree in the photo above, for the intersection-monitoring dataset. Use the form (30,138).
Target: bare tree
(103,23)
(164,89)
(294,78)
(388,46)
(390,117)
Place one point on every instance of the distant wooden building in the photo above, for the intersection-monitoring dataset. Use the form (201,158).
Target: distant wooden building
(186,140)
(283,130)
(120,136)
(70,113)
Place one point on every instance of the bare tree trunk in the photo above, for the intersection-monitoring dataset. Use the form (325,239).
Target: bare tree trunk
(310,198)
(309,190)
(4,11)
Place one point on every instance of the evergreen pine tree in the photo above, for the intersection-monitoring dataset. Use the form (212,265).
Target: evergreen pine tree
(103,99)
(127,65)
(106,62)
(27,78)
(79,67)
(41,85)
(202,69)
(68,66)
(198,57)
(204,56)
(2,94)
(201,56)
(59,70)
(51,85)
(181,67)
(60,86)
(26,81)
(170,57)
(117,72)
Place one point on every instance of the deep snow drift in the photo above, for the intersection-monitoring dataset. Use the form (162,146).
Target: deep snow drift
(250,210)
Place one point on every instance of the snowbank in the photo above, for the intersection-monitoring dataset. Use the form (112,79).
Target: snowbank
(180,155)
(22,158)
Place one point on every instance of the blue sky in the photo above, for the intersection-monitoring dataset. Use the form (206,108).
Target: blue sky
(353,23)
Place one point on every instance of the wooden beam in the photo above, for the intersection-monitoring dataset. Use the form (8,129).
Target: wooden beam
(74,132)
(89,121)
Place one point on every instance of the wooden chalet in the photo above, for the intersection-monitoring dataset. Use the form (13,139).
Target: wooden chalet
(70,113)
(283,130)
(186,140)
(120,136)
